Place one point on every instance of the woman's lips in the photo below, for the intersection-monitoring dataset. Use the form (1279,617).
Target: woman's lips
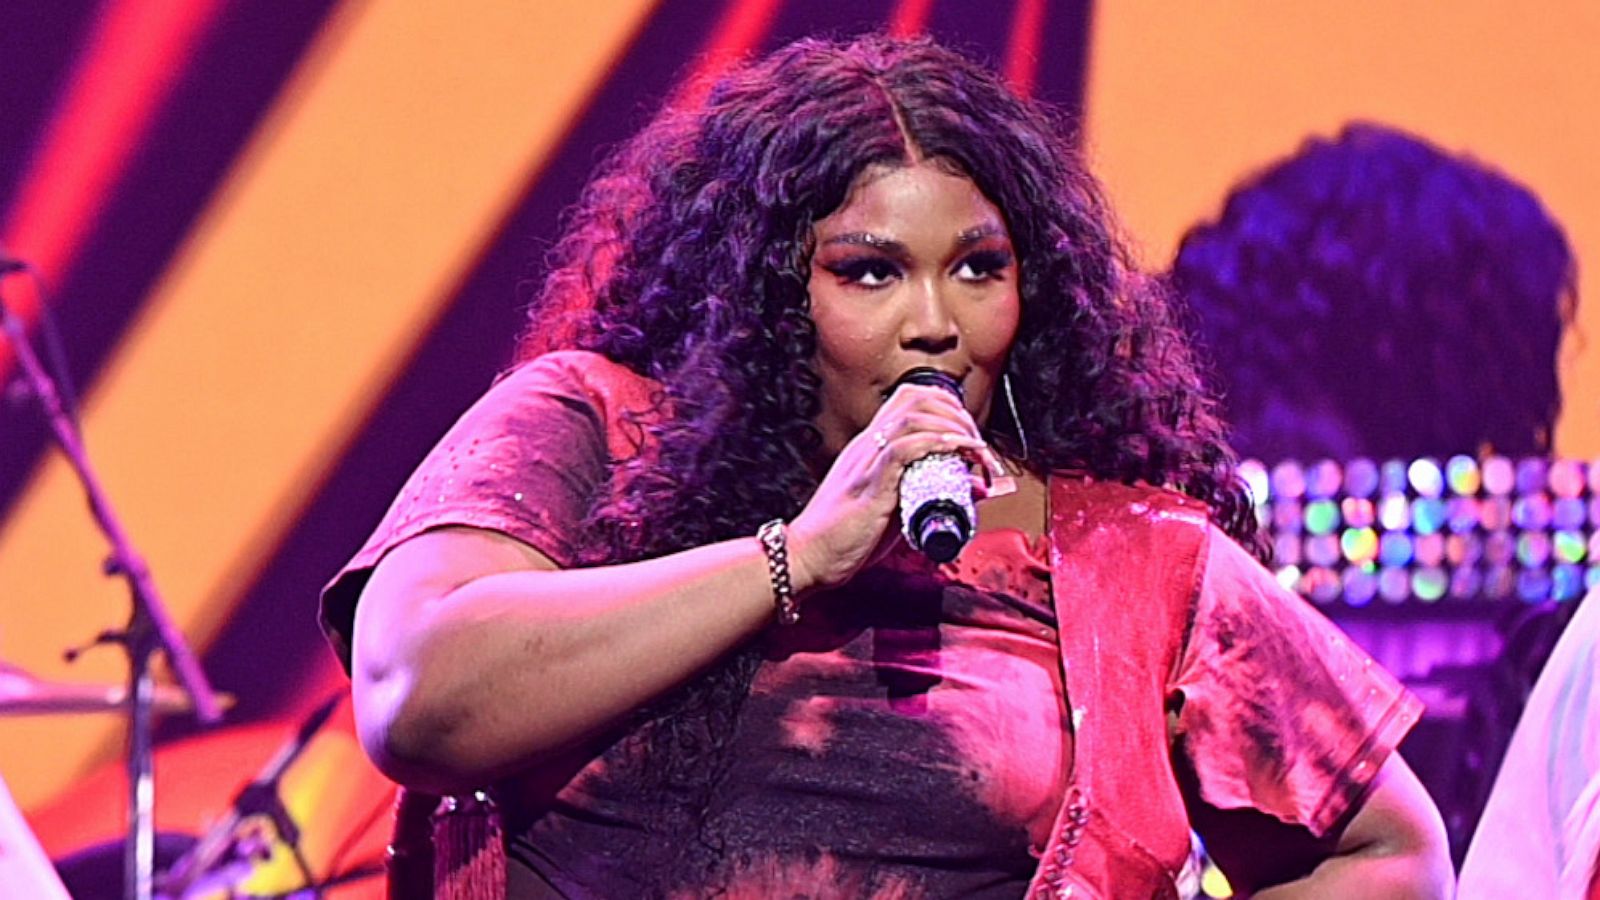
(960,379)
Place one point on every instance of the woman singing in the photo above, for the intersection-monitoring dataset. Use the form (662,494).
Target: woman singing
(651,591)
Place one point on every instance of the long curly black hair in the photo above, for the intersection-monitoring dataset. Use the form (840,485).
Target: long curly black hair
(1417,296)
(687,261)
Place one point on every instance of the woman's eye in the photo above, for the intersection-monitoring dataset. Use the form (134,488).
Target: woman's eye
(866,272)
(983,266)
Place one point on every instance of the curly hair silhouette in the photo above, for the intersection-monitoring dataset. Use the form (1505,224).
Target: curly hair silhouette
(1373,295)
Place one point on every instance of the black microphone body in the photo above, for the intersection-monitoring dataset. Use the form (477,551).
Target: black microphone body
(937,515)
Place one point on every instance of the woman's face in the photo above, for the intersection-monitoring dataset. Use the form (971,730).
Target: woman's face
(915,269)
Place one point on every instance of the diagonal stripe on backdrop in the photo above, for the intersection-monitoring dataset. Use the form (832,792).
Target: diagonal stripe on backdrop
(394,151)
(132,58)
(458,357)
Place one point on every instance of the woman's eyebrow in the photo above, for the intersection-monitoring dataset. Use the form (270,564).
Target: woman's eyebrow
(979,232)
(867,239)
(889,245)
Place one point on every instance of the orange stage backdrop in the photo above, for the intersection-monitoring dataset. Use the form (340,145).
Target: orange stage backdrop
(1184,99)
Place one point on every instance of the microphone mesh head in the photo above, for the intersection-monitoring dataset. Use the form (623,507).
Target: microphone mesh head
(937,483)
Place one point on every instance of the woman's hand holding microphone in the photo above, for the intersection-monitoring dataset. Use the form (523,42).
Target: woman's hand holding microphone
(849,521)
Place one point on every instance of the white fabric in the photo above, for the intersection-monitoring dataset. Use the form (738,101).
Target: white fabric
(1540,832)
(24,869)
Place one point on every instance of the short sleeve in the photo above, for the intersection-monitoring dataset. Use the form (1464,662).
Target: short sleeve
(526,460)
(1281,712)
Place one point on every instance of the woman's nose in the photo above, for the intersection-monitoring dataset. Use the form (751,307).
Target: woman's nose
(928,324)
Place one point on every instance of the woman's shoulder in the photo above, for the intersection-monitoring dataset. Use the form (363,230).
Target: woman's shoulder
(582,369)
(582,375)
(619,398)
(1142,525)
(1094,499)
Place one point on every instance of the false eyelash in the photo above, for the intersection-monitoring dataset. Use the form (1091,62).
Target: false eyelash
(856,267)
(987,262)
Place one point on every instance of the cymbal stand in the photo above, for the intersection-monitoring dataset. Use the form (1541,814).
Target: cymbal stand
(149,627)
(260,797)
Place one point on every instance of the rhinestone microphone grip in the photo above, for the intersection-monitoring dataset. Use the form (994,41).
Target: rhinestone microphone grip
(937,515)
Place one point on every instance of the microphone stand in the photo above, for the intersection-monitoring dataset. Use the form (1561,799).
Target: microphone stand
(259,797)
(149,627)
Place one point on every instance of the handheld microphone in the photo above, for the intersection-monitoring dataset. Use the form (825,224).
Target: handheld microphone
(937,515)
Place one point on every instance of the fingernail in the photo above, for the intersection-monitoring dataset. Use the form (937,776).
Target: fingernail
(993,462)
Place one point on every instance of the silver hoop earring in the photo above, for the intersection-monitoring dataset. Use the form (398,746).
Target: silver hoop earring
(1011,404)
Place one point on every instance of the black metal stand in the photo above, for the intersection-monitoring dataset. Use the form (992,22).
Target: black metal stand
(260,797)
(149,626)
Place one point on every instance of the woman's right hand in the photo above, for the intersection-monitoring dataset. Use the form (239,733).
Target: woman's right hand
(850,519)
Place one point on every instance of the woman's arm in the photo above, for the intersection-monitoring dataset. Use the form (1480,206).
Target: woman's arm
(1280,723)
(474,656)
(1393,847)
